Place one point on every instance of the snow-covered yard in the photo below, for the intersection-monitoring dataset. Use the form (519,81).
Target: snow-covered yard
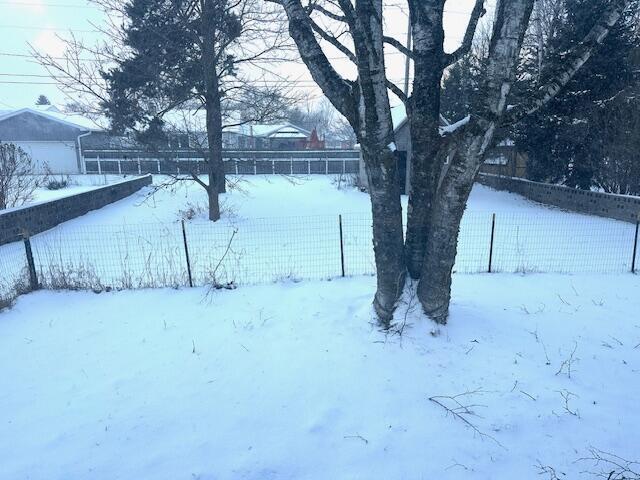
(292,381)
(43,194)
(276,228)
(74,184)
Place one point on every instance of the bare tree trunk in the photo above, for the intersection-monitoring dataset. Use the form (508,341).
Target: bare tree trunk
(214,202)
(377,140)
(386,210)
(424,114)
(214,140)
(434,289)
(473,140)
(213,109)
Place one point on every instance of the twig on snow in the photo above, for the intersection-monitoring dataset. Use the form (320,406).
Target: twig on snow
(567,363)
(359,437)
(461,411)
(612,467)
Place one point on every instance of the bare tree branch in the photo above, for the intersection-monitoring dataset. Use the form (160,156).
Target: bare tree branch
(477,12)
(399,46)
(573,60)
(338,90)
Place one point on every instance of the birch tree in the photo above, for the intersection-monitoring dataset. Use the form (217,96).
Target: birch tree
(467,145)
(439,189)
(364,102)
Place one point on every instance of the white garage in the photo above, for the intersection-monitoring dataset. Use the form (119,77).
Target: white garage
(54,157)
(50,137)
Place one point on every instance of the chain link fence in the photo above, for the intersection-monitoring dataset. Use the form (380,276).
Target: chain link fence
(253,251)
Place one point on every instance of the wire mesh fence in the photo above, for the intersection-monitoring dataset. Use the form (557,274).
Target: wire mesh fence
(253,251)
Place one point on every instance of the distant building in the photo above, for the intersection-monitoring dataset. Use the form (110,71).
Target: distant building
(52,138)
(250,136)
(505,159)
(56,140)
(314,142)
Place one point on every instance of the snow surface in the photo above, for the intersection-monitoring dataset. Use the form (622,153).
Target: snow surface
(276,228)
(46,195)
(292,381)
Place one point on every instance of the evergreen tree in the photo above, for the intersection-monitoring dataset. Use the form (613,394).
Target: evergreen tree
(457,90)
(179,54)
(564,140)
(42,100)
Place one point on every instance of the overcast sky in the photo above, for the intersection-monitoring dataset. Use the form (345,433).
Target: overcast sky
(38,22)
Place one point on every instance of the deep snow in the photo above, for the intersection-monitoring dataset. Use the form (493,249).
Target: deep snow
(292,381)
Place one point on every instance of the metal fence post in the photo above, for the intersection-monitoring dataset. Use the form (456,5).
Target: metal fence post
(186,254)
(341,244)
(635,248)
(493,231)
(31,266)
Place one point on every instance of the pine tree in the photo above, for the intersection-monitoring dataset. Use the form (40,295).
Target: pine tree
(42,100)
(564,140)
(179,53)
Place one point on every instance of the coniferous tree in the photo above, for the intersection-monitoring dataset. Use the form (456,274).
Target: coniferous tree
(42,100)
(565,141)
(185,54)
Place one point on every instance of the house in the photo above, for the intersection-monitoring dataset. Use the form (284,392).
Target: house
(250,136)
(245,136)
(503,159)
(49,136)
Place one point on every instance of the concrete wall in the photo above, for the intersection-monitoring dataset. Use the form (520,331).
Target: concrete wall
(619,207)
(38,217)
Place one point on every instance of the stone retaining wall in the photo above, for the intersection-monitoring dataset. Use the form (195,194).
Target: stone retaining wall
(619,207)
(38,217)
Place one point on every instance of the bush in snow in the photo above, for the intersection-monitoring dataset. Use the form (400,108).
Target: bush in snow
(17,179)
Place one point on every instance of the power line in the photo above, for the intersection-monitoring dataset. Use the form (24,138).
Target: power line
(29,27)
(54,5)
(96,80)
(26,55)
(95,7)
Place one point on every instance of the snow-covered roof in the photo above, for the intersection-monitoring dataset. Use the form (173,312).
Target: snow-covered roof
(195,121)
(54,113)
(282,130)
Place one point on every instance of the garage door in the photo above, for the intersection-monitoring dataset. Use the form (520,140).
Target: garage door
(56,157)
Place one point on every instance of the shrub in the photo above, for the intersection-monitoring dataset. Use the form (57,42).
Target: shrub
(54,184)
